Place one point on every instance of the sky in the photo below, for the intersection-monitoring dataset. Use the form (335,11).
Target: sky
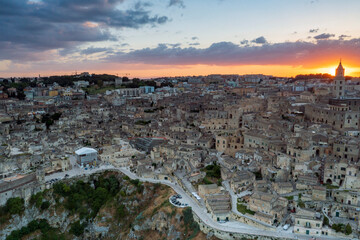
(159,38)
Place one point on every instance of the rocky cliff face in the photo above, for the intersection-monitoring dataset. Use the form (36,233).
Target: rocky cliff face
(112,207)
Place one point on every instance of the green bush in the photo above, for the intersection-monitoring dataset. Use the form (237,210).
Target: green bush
(207,181)
(348,229)
(301,203)
(338,227)
(243,209)
(45,205)
(77,228)
(81,195)
(37,199)
(190,223)
(15,205)
(32,226)
(213,171)
(121,211)
(326,221)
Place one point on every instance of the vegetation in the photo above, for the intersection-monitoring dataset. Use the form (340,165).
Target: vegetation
(290,198)
(105,197)
(206,181)
(326,221)
(15,205)
(95,89)
(301,203)
(138,184)
(45,205)
(121,211)
(342,228)
(348,229)
(47,231)
(190,223)
(258,175)
(77,228)
(313,76)
(328,186)
(50,119)
(163,204)
(81,198)
(243,209)
(37,199)
(213,171)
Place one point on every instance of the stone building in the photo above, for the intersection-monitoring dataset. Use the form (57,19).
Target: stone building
(309,222)
(270,204)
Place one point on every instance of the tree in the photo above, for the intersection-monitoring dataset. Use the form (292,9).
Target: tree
(21,95)
(121,211)
(45,205)
(326,221)
(100,83)
(348,229)
(301,203)
(77,228)
(15,205)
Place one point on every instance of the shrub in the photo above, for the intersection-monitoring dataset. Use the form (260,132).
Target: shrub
(326,221)
(37,199)
(242,208)
(77,228)
(348,229)
(121,211)
(45,205)
(15,205)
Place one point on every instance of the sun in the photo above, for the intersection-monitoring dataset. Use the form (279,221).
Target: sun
(332,71)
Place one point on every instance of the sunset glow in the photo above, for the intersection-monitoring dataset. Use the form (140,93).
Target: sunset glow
(163,39)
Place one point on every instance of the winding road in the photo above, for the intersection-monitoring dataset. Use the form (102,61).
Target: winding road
(231,226)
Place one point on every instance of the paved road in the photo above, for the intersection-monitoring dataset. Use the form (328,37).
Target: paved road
(234,204)
(231,226)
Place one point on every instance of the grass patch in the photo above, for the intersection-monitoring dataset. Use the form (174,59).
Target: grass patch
(328,186)
(242,208)
(98,90)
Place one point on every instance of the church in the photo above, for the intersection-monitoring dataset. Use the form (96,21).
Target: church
(341,112)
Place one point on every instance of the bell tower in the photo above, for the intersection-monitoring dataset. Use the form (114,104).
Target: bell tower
(339,82)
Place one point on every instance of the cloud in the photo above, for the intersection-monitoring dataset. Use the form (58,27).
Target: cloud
(324,36)
(36,27)
(92,50)
(259,40)
(194,38)
(173,45)
(227,53)
(342,37)
(194,44)
(244,42)
(178,3)
(314,30)
(4,65)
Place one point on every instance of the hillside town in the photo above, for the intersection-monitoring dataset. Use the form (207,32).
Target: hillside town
(276,154)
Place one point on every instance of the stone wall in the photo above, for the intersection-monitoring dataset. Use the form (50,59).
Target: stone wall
(251,222)
(6,186)
(228,235)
